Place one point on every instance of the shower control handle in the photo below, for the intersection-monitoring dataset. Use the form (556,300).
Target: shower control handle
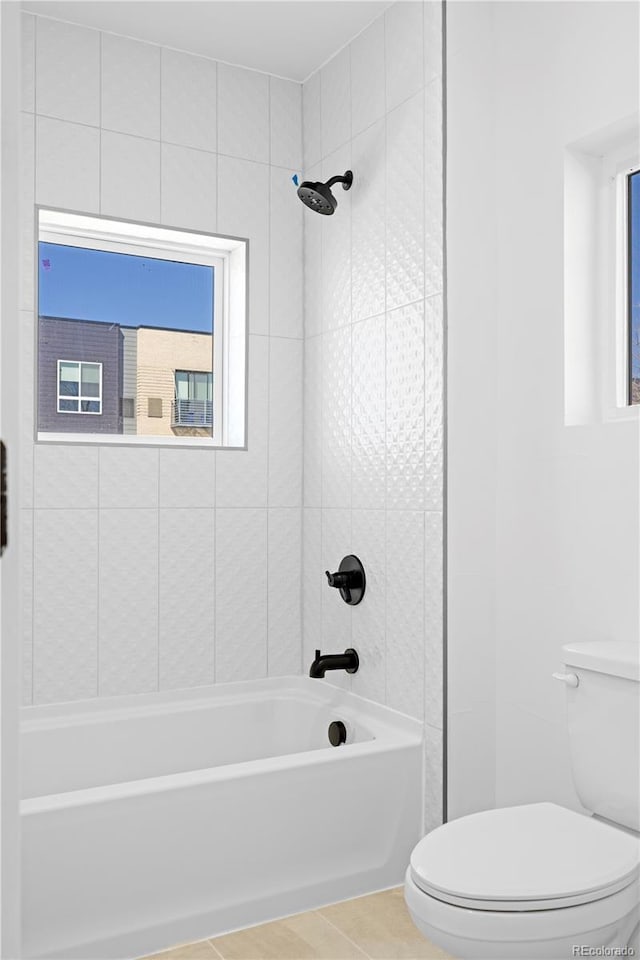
(349,580)
(342,582)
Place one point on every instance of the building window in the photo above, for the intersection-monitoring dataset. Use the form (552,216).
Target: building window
(161,316)
(193,403)
(633,283)
(79,387)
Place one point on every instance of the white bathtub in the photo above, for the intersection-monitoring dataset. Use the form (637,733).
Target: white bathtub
(152,820)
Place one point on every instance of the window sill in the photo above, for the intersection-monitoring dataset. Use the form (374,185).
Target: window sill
(124,440)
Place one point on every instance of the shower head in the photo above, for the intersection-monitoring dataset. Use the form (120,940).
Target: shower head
(317,196)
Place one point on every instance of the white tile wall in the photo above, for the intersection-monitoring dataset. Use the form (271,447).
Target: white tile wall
(374,356)
(65,634)
(210,146)
(130,86)
(67,165)
(188,187)
(129,589)
(72,93)
(130,177)
(189,90)
(186,597)
(285,107)
(241,594)
(243,118)
(136,576)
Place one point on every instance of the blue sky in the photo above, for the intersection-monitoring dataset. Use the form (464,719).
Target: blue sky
(133,291)
(635,271)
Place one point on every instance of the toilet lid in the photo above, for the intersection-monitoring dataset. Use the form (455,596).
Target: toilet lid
(538,856)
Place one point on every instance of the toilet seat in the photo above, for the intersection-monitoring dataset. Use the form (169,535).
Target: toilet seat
(527,858)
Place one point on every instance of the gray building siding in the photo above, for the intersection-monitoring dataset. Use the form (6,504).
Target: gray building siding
(60,339)
(130,375)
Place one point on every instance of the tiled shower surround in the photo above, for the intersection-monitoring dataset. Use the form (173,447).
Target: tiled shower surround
(373,380)
(153,569)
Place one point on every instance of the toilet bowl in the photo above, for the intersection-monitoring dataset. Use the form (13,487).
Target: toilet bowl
(534,881)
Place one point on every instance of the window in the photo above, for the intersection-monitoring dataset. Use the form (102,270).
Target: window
(144,328)
(193,403)
(633,283)
(79,387)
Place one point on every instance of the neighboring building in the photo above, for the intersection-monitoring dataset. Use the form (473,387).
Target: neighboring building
(97,377)
(129,378)
(175,383)
(79,376)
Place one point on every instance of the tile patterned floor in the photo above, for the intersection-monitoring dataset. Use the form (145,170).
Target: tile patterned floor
(376,927)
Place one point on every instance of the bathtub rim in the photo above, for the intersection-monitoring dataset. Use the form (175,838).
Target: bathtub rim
(34,717)
(390,729)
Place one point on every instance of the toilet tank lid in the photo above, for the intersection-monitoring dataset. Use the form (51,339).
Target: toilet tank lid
(618,658)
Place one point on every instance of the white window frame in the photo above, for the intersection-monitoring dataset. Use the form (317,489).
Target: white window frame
(80,398)
(625,280)
(228,256)
(618,165)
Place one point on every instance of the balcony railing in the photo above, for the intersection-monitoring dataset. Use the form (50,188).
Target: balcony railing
(192,413)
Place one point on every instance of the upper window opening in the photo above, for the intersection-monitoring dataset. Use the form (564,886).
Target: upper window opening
(79,387)
(143,328)
(633,283)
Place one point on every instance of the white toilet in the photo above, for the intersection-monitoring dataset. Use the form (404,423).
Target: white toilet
(541,881)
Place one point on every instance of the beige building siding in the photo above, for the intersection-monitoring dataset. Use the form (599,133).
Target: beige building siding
(160,354)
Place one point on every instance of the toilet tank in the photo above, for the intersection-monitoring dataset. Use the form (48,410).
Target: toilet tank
(603,713)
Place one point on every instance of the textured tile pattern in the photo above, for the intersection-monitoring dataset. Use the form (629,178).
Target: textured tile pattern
(65,619)
(405,631)
(405,203)
(284,586)
(373,375)
(368,225)
(128,618)
(186,598)
(372,438)
(241,594)
(128,583)
(368,413)
(405,407)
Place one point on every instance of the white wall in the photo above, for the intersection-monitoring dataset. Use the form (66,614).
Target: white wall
(554,512)
(373,366)
(149,568)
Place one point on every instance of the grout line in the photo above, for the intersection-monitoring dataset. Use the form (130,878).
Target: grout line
(158,518)
(269,345)
(154,43)
(213,565)
(160,191)
(217,151)
(216,952)
(384,388)
(100,122)
(98,582)
(340,930)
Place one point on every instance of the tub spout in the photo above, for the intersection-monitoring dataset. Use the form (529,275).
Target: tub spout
(334,661)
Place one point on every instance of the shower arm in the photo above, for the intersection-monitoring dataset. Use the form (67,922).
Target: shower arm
(345,180)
